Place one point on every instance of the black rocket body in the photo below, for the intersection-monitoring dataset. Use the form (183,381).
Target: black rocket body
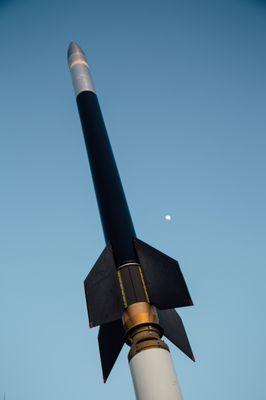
(115,216)
(128,271)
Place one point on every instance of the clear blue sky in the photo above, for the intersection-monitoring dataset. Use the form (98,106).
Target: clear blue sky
(182,85)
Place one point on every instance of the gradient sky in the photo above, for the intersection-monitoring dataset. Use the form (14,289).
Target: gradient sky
(182,86)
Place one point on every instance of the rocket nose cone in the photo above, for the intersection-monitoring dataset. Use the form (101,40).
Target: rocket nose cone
(73,48)
(79,69)
(76,55)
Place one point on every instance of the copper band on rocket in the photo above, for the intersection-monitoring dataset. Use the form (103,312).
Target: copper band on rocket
(133,289)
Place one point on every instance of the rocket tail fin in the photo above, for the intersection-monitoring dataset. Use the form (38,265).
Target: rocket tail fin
(174,330)
(111,341)
(103,295)
(163,277)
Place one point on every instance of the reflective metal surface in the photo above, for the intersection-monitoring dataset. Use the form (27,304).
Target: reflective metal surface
(79,69)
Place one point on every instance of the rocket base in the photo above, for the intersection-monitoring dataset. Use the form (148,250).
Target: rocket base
(154,376)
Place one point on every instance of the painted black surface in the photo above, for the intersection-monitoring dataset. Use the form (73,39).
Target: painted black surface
(174,330)
(132,283)
(115,216)
(103,294)
(164,280)
(111,340)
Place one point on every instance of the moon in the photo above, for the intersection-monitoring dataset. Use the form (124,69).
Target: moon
(167,217)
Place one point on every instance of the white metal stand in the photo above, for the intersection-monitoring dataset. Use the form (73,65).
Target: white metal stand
(154,376)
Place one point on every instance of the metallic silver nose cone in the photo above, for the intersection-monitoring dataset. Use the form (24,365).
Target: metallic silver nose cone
(79,69)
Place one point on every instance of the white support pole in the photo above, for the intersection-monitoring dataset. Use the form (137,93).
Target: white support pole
(154,376)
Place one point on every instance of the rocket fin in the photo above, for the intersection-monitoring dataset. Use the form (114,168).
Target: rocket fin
(163,277)
(103,294)
(111,341)
(174,330)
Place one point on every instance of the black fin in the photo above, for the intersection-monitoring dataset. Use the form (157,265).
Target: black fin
(103,295)
(111,341)
(165,282)
(174,330)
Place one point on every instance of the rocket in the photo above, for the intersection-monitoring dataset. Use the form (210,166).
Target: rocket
(133,289)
